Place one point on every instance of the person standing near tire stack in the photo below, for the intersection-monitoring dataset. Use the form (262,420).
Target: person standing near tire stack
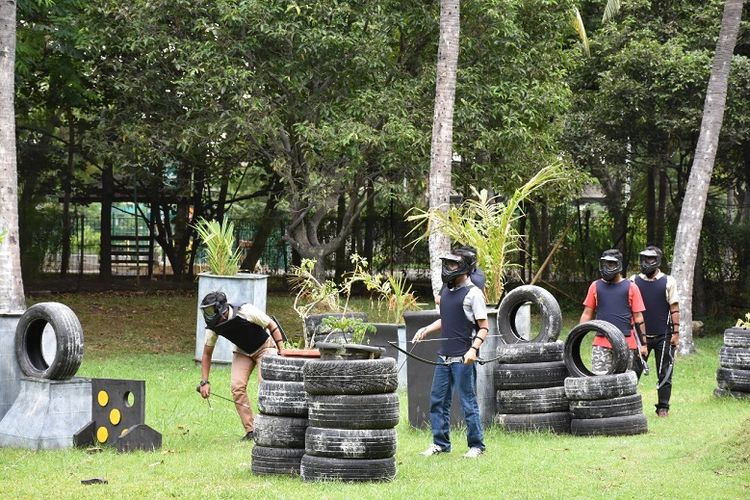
(463,326)
(662,320)
(618,301)
(247,327)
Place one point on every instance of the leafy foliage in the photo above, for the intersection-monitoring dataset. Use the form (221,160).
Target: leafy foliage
(222,256)
(356,327)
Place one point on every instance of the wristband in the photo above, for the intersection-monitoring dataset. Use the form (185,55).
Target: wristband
(204,382)
(475,348)
(479,338)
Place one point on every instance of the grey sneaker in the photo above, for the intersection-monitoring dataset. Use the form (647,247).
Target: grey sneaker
(432,450)
(473,453)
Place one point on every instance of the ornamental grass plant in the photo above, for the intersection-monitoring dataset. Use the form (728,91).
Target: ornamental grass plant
(218,241)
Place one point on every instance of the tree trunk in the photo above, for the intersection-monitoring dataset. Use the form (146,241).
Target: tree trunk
(105,237)
(11,287)
(67,182)
(265,226)
(694,203)
(442,129)
(661,210)
(651,206)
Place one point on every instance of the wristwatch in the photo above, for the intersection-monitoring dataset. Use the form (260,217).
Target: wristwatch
(203,382)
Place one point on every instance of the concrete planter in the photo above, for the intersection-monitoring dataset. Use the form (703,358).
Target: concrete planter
(10,373)
(419,374)
(239,289)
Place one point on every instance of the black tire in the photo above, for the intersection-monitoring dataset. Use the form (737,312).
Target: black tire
(266,460)
(572,355)
(627,425)
(737,337)
(370,411)
(612,407)
(530,375)
(282,398)
(275,367)
(343,469)
(724,393)
(734,357)
(557,422)
(549,311)
(733,379)
(546,400)
(601,386)
(68,334)
(280,432)
(350,443)
(371,376)
(530,352)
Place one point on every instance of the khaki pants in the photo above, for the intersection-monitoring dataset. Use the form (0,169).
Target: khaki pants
(242,366)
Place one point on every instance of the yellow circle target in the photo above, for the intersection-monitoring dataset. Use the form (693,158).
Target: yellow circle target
(114,416)
(102,398)
(102,434)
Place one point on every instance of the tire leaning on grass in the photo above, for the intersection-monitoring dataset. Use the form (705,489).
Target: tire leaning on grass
(371,376)
(737,337)
(370,411)
(282,398)
(734,357)
(530,352)
(549,311)
(601,386)
(275,367)
(733,379)
(572,356)
(557,422)
(267,460)
(68,336)
(610,407)
(530,375)
(343,469)
(626,425)
(350,443)
(279,431)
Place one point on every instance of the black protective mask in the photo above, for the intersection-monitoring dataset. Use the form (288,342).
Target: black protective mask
(450,273)
(609,268)
(650,261)
(213,312)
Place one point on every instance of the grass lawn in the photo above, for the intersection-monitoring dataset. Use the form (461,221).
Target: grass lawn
(702,450)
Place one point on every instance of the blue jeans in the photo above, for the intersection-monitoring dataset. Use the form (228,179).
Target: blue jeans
(464,378)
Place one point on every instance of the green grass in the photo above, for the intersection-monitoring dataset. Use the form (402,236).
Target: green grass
(700,451)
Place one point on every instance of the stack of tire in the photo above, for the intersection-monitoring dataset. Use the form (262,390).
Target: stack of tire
(353,412)
(280,427)
(529,376)
(608,404)
(733,375)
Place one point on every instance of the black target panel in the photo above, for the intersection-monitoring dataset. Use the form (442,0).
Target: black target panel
(116,406)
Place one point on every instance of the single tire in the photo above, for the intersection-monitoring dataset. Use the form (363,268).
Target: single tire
(734,357)
(280,432)
(371,376)
(557,422)
(549,310)
(68,335)
(737,337)
(282,398)
(530,352)
(530,375)
(343,469)
(286,369)
(733,379)
(572,356)
(370,411)
(626,425)
(723,393)
(601,386)
(546,400)
(267,460)
(612,407)
(350,443)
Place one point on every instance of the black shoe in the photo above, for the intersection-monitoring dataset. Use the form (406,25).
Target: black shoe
(248,437)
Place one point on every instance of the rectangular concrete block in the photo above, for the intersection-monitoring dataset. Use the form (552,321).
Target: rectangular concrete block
(10,373)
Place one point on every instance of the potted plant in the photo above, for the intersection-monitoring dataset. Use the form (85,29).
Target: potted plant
(223,260)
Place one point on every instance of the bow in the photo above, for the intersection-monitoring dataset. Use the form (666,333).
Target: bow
(664,379)
(437,363)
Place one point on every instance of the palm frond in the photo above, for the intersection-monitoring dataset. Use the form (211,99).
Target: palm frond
(611,10)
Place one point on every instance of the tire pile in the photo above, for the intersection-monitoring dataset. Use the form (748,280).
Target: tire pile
(733,375)
(529,376)
(353,412)
(604,405)
(280,427)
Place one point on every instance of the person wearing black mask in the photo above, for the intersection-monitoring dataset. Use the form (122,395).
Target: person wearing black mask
(254,335)
(661,318)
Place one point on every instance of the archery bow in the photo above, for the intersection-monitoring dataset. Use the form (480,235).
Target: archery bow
(418,358)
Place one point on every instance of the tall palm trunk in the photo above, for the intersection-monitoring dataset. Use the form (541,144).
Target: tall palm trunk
(11,284)
(442,129)
(694,202)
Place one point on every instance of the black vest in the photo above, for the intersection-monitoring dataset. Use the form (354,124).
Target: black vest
(656,315)
(613,306)
(244,334)
(456,329)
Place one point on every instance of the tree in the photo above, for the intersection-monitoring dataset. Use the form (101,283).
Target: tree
(694,203)
(11,284)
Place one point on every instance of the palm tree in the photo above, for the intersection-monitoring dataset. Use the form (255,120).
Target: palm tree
(442,129)
(11,284)
(694,203)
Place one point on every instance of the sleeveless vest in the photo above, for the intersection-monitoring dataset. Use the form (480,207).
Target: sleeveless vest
(244,334)
(456,330)
(612,304)
(656,315)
